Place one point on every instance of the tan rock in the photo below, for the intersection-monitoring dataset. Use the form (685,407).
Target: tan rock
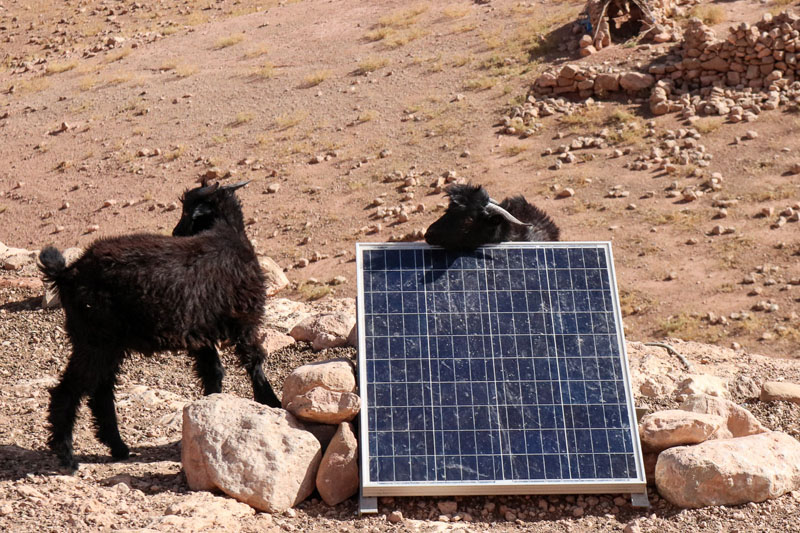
(276,280)
(702,384)
(324,406)
(337,477)
(780,390)
(607,82)
(203,511)
(335,375)
(675,427)
(283,314)
(636,81)
(739,421)
(259,455)
(275,340)
(324,331)
(730,471)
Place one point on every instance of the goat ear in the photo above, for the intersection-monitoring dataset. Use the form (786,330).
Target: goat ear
(235,186)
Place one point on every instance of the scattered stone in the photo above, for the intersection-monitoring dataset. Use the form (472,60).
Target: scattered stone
(276,280)
(739,421)
(702,384)
(324,331)
(730,471)
(675,427)
(337,477)
(780,391)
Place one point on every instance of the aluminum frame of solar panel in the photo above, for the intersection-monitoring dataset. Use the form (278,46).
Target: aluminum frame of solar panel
(497,452)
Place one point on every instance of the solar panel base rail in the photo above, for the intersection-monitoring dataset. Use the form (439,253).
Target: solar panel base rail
(498,371)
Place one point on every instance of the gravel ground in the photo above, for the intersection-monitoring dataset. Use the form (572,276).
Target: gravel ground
(139,492)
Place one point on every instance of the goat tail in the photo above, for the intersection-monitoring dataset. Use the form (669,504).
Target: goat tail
(52,264)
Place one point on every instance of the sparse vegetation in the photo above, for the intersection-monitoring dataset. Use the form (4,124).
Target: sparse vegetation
(368,116)
(515,150)
(174,154)
(256,52)
(313,291)
(709,14)
(315,78)
(403,18)
(58,68)
(118,55)
(371,64)
(482,83)
(456,11)
(242,118)
(231,40)
(708,124)
(185,70)
(265,71)
(290,120)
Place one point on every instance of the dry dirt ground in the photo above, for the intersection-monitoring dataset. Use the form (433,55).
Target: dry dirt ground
(99,140)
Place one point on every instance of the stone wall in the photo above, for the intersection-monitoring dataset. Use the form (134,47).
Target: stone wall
(759,62)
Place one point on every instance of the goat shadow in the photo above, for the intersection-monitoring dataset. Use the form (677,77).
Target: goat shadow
(17,462)
(27,304)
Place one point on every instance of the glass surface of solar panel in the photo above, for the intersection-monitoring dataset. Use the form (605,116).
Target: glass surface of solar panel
(505,364)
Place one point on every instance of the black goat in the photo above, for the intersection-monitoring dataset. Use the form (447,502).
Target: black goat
(473,219)
(149,293)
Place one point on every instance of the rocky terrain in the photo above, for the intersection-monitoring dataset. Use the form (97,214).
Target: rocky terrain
(349,118)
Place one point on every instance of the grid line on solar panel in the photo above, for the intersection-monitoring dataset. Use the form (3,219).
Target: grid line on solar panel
(498,365)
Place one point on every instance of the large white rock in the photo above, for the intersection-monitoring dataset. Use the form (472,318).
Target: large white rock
(325,406)
(675,427)
(283,314)
(337,477)
(322,392)
(323,331)
(259,455)
(780,390)
(739,421)
(201,511)
(702,384)
(730,471)
(636,81)
(275,278)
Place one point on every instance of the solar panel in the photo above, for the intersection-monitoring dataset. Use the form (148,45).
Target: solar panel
(498,371)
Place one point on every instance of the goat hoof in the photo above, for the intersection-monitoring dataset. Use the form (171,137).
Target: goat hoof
(68,464)
(120,452)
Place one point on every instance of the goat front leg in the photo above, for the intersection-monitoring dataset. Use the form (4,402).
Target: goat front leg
(208,368)
(252,355)
(101,402)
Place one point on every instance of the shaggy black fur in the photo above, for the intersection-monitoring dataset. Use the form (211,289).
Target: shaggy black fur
(149,293)
(466,224)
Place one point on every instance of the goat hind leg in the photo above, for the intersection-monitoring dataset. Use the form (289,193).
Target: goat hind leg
(209,368)
(65,398)
(252,355)
(101,403)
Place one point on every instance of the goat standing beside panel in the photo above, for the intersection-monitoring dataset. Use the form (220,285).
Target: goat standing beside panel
(150,293)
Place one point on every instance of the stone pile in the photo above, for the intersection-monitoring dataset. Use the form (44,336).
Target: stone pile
(753,69)
(711,451)
(272,459)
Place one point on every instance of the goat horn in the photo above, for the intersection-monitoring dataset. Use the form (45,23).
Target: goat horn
(493,201)
(493,207)
(234,186)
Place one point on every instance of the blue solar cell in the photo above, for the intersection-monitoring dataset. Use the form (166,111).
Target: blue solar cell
(499,364)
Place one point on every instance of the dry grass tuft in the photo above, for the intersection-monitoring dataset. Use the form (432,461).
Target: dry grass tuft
(709,14)
(315,78)
(368,116)
(185,70)
(480,84)
(58,68)
(708,124)
(116,56)
(290,120)
(256,52)
(403,18)
(371,64)
(231,40)
(265,71)
(456,11)
(242,118)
